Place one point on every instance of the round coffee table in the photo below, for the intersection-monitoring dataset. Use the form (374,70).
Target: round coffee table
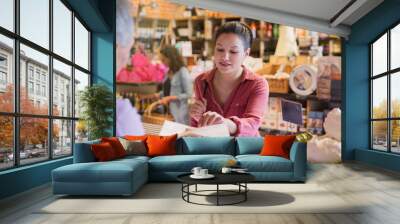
(238,179)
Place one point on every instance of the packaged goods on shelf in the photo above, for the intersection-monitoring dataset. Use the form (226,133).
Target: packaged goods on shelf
(315,122)
(329,76)
(253,64)
(185,48)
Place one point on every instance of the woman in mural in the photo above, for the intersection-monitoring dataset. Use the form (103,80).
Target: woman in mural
(230,93)
(177,88)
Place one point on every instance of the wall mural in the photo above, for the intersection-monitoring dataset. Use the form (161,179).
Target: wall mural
(198,72)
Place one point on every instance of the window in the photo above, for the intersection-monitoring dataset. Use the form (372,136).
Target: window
(7,14)
(7,90)
(3,61)
(3,78)
(30,87)
(81,45)
(54,125)
(44,91)
(38,89)
(385,97)
(43,77)
(37,74)
(30,73)
(3,72)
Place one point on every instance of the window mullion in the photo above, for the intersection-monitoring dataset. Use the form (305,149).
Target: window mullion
(50,81)
(73,82)
(389,104)
(16,84)
(371,89)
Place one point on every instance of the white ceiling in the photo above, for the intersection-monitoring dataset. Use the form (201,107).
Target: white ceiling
(316,15)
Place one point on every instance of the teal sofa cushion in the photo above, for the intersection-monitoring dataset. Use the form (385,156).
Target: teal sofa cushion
(83,153)
(98,171)
(206,145)
(117,177)
(257,163)
(185,163)
(249,145)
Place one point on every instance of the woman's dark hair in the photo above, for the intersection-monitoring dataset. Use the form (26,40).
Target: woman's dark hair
(175,58)
(240,29)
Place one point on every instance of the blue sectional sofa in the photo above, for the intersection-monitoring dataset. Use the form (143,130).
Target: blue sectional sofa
(125,176)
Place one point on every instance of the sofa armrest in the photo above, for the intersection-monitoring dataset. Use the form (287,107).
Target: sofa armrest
(83,152)
(298,155)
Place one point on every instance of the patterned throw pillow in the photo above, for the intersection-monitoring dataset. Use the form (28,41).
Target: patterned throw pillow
(134,147)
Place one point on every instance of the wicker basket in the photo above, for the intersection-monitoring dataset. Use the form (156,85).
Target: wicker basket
(138,87)
(278,85)
(155,118)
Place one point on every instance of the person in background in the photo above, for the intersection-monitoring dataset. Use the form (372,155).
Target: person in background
(177,88)
(128,119)
(230,93)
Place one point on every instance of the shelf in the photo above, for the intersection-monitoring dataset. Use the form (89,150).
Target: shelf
(293,96)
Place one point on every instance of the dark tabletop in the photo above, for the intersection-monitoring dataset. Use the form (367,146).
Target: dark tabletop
(220,178)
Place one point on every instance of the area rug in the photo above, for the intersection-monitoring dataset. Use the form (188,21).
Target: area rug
(167,198)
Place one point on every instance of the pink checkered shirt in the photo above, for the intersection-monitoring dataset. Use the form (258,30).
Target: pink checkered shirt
(245,106)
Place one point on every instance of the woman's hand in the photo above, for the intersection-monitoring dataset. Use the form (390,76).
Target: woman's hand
(210,118)
(197,109)
(165,100)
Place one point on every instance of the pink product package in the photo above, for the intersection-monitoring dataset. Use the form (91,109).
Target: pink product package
(142,71)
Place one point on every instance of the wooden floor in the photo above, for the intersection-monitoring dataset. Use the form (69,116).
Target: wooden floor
(378,188)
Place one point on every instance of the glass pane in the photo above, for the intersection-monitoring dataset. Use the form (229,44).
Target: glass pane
(395,136)
(33,139)
(35,21)
(62,89)
(379,55)
(34,97)
(62,29)
(7,14)
(6,142)
(81,45)
(6,74)
(395,94)
(62,141)
(81,81)
(379,135)
(395,47)
(81,131)
(379,97)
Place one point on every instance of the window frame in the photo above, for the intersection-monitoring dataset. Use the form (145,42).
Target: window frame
(388,74)
(16,115)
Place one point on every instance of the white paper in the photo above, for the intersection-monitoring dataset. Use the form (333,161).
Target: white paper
(218,130)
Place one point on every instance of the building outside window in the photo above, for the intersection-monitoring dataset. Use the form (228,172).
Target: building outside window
(385,96)
(35,79)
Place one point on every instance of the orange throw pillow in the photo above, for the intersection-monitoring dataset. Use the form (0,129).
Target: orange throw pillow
(103,152)
(116,145)
(277,145)
(161,145)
